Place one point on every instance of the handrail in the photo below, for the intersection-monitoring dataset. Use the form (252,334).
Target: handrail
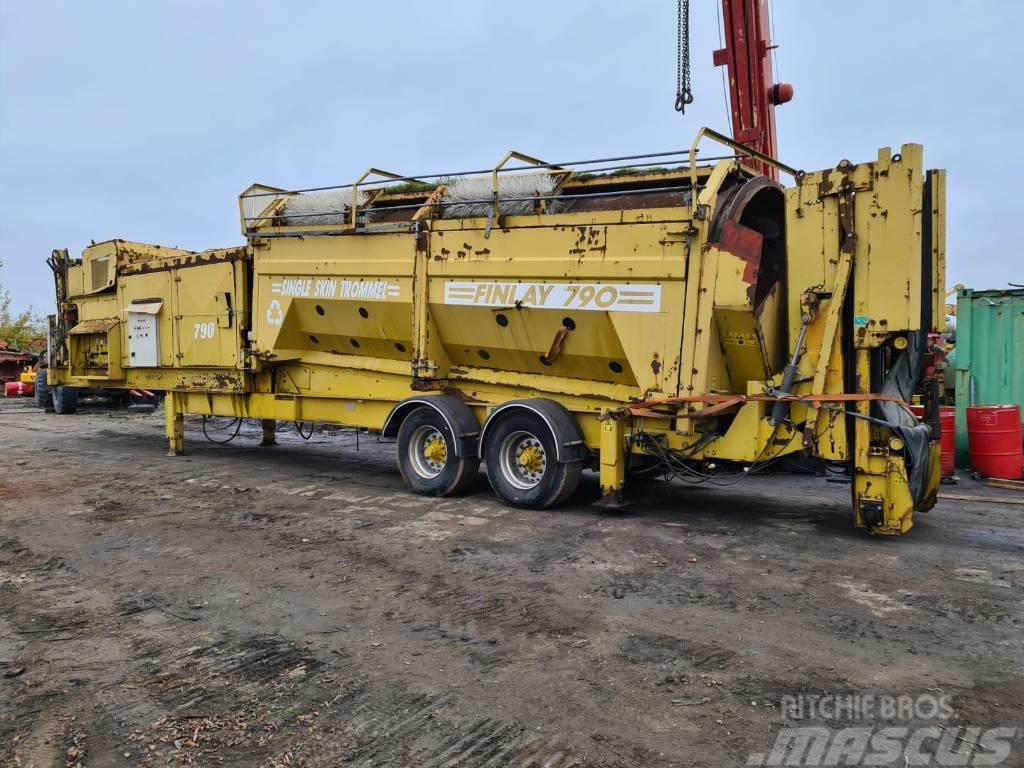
(355,187)
(441,203)
(687,167)
(267,191)
(555,169)
(480,172)
(737,147)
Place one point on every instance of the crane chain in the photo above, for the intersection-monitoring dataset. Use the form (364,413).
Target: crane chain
(684,94)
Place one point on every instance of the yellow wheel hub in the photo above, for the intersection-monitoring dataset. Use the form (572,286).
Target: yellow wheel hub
(531,459)
(436,450)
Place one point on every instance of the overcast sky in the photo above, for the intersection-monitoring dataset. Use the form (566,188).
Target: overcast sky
(144,120)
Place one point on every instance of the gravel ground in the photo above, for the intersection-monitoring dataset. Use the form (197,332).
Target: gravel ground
(296,606)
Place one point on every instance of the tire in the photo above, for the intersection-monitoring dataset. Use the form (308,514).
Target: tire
(65,400)
(426,456)
(44,395)
(545,483)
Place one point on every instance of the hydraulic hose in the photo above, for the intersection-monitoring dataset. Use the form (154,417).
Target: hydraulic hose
(781,408)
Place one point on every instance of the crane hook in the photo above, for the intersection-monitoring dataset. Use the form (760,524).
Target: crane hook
(683,98)
(684,95)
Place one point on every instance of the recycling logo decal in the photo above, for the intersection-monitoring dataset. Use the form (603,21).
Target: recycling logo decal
(275,315)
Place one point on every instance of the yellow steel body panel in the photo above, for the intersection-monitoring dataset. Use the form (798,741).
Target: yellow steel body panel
(205,329)
(888,256)
(937,245)
(102,262)
(201,322)
(157,285)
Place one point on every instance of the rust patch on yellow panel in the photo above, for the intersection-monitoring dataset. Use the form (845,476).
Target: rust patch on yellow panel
(182,262)
(94,326)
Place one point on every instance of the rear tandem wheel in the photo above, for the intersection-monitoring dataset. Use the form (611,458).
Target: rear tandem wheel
(522,463)
(426,456)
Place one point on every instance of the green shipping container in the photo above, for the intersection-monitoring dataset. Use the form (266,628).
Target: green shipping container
(989,354)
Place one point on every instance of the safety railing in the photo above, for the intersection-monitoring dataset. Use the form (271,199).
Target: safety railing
(742,150)
(263,207)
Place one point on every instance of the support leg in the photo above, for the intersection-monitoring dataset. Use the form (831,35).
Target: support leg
(174,424)
(882,501)
(269,431)
(613,461)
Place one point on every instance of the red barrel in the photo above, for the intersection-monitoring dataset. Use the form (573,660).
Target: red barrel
(947,440)
(947,423)
(994,441)
(19,389)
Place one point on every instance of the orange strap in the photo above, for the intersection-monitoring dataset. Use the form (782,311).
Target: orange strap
(719,403)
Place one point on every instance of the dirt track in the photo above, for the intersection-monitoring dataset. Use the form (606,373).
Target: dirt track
(248,606)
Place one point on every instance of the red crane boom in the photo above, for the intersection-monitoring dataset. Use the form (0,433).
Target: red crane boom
(753,94)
